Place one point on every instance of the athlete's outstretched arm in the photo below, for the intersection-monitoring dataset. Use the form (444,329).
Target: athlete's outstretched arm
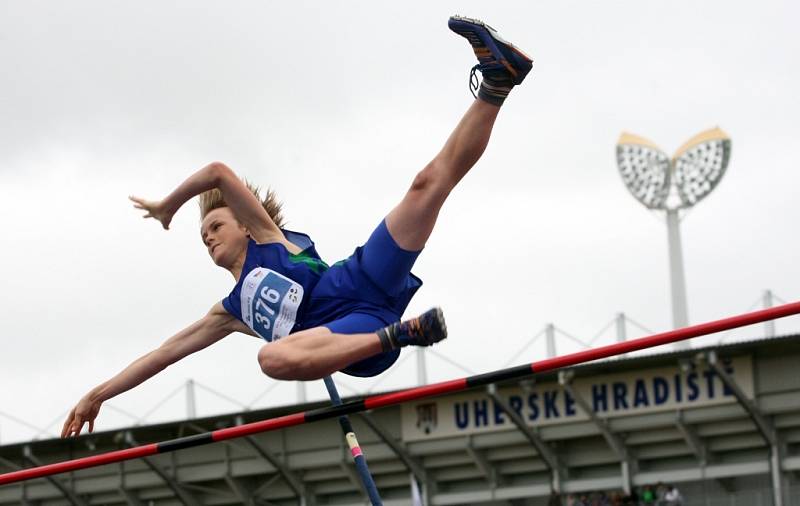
(217,324)
(245,206)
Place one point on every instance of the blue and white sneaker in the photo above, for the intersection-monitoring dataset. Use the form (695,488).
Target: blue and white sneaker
(498,59)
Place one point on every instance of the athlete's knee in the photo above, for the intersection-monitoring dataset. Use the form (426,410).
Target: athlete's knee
(431,180)
(282,362)
(274,360)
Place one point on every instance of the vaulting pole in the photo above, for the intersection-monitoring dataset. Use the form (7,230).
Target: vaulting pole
(355,449)
(379,401)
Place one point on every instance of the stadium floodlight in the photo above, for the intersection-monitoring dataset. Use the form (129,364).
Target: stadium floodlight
(674,185)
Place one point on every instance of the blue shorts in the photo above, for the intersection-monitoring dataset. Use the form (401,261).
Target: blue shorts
(364,293)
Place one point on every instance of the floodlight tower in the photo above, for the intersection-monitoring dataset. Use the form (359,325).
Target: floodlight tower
(674,185)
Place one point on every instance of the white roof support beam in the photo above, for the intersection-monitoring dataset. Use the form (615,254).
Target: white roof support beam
(399,449)
(305,496)
(350,470)
(698,448)
(764,426)
(303,493)
(243,495)
(237,487)
(131,499)
(693,441)
(616,444)
(184,496)
(23,486)
(68,494)
(271,481)
(483,464)
(544,451)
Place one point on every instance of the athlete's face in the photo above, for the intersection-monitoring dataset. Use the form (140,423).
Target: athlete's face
(224,237)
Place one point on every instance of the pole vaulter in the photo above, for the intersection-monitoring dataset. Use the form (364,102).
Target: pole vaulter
(379,401)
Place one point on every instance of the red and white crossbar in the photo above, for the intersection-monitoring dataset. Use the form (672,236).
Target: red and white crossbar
(379,401)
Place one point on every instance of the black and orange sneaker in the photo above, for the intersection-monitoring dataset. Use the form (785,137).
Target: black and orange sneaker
(426,329)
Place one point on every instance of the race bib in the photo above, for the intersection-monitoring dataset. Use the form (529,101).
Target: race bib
(269,303)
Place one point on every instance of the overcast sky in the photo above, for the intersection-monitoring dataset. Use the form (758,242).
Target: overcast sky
(336,106)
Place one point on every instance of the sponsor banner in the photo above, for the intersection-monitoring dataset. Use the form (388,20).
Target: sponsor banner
(612,395)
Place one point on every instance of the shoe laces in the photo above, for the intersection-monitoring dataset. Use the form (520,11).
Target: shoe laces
(474,84)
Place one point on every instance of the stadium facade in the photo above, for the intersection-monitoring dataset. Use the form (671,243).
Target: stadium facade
(720,423)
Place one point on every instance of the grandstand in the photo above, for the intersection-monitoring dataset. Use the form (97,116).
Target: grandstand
(721,423)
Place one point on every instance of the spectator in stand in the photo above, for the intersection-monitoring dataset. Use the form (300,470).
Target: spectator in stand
(648,496)
(571,500)
(673,496)
(661,492)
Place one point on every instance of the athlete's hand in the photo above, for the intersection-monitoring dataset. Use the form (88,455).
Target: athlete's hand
(155,209)
(85,411)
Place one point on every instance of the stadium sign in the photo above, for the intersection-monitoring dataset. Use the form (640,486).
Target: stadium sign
(612,395)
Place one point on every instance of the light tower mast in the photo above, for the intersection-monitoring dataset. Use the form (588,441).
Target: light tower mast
(674,185)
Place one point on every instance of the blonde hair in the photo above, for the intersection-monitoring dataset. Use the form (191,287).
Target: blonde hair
(212,199)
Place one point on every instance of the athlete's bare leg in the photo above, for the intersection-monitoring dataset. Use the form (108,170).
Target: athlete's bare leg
(318,352)
(502,66)
(315,353)
(411,222)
